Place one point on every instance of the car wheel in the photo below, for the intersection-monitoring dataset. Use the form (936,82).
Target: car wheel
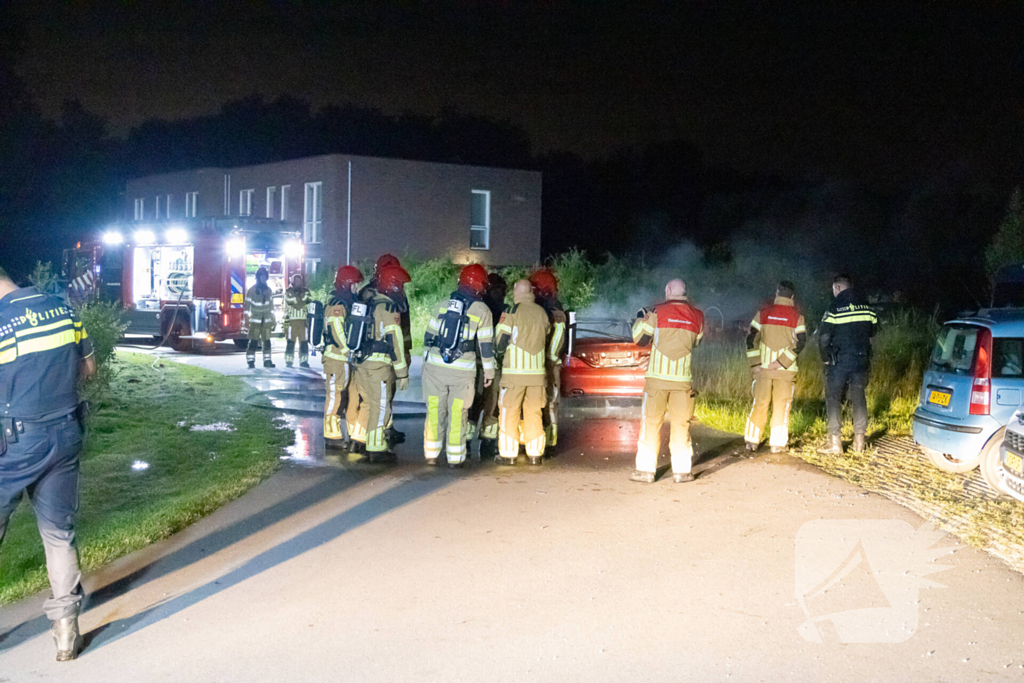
(948,463)
(990,464)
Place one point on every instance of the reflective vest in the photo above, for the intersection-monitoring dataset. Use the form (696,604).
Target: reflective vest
(674,328)
(296,303)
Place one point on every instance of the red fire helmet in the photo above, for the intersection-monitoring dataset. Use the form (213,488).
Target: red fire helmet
(474,277)
(544,283)
(385,261)
(347,276)
(391,279)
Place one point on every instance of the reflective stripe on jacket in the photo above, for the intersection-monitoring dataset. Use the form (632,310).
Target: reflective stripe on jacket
(675,328)
(387,327)
(259,305)
(777,333)
(847,329)
(336,347)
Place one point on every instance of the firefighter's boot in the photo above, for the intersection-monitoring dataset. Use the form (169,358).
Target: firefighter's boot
(642,477)
(834,447)
(268,364)
(682,477)
(752,447)
(499,460)
(251,364)
(858,443)
(304,364)
(67,638)
(778,449)
(394,436)
(536,460)
(488,448)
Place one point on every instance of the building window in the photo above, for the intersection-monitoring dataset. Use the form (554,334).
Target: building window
(480,220)
(312,221)
(284,201)
(140,209)
(191,199)
(245,202)
(271,191)
(312,264)
(156,214)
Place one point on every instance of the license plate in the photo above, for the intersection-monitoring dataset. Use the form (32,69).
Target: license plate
(940,398)
(1014,462)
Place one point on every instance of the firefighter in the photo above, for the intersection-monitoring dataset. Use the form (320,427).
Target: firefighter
(485,405)
(44,351)
(545,287)
(259,318)
(776,337)
(675,327)
(402,302)
(380,362)
(522,335)
(844,338)
(337,370)
(460,330)
(296,304)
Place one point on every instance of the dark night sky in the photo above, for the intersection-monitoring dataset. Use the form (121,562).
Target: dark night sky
(882,92)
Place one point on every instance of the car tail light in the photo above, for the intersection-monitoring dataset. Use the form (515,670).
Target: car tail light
(981,389)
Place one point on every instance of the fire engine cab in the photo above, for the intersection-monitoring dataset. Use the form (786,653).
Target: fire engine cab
(184,282)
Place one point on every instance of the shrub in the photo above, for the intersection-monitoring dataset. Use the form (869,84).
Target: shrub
(105,325)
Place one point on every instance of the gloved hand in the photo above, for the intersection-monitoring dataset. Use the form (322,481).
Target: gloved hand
(403,384)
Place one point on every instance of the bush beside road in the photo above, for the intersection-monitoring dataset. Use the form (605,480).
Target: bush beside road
(146,472)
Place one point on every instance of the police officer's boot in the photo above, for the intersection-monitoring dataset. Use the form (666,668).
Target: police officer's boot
(642,477)
(67,638)
(834,447)
(858,443)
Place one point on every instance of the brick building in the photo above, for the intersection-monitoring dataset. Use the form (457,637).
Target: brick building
(350,208)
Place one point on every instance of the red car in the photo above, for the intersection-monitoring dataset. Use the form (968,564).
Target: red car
(602,360)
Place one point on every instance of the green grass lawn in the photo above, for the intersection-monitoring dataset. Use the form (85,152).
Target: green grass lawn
(147,415)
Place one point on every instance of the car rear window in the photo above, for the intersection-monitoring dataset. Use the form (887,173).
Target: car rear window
(612,330)
(1008,357)
(954,349)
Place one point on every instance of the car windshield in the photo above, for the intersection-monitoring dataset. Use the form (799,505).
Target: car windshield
(618,330)
(954,349)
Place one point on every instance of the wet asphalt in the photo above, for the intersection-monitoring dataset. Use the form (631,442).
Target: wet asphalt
(339,570)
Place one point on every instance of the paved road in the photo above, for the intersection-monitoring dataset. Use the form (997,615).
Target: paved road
(339,571)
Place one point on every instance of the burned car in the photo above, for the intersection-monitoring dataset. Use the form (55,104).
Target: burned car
(602,360)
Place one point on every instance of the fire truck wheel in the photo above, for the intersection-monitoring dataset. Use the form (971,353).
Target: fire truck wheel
(180,328)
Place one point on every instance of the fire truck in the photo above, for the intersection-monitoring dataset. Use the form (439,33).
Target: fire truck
(184,282)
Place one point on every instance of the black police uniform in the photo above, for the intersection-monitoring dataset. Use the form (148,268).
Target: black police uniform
(41,346)
(845,341)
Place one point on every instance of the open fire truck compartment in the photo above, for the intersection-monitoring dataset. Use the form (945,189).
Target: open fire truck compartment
(184,281)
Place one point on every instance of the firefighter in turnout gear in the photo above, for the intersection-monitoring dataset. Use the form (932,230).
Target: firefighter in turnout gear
(44,351)
(522,336)
(461,329)
(844,338)
(486,403)
(296,305)
(777,336)
(337,369)
(402,303)
(259,319)
(545,287)
(675,327)
(377,350)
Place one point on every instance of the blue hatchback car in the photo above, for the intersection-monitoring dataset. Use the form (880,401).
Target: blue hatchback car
(973,385)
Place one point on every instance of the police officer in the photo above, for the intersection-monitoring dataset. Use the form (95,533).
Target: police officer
(545,287)
(777,336)
(259,318)
(296,306)
(337,370)
(379,367)
(460,329)
(675,327)
(844,338)
(44,351)
(522,336)
(485,405)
